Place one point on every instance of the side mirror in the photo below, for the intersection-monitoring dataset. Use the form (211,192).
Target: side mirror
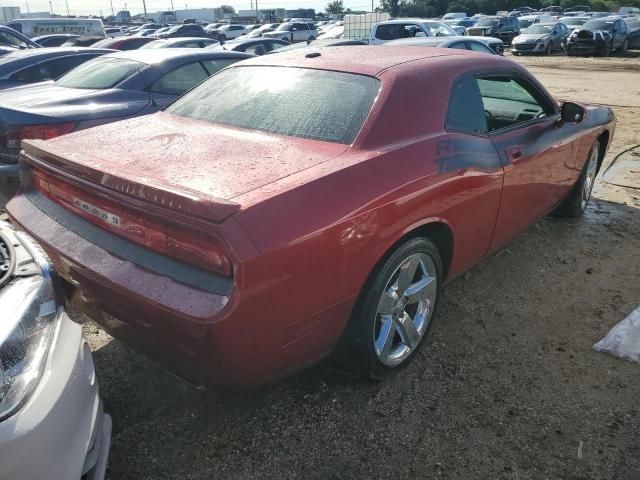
(420,34)
(572,112)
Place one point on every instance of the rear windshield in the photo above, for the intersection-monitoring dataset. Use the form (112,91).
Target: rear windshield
(100,73)
(314,104)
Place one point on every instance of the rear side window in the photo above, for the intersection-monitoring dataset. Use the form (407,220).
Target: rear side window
(180,80)
(50,69)
(100,73)
(466,111)
(314,104)
(214,66)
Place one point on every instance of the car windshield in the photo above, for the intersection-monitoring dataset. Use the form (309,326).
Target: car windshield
(599,25)
(488,22)
(440,29)
(100,73)
(525,23)
(539,29)
(299,102)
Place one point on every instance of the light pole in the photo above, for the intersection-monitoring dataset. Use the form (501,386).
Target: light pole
(113,13)
(144,6)
(51,7)
(67,4)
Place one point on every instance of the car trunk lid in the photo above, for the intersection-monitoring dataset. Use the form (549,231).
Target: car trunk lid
(186,165)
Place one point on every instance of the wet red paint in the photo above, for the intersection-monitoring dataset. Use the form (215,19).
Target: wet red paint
(302,222)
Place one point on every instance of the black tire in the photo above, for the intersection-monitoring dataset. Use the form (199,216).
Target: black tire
(357,349)
(222,38)
(575,204)
(606,51)
(311,38)
(549,49)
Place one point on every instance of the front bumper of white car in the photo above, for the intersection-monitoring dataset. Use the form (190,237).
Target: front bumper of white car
(52,425)
(61,432)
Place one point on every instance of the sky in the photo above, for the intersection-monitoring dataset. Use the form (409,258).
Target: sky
(95,7)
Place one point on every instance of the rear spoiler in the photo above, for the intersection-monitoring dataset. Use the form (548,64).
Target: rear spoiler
(169,196)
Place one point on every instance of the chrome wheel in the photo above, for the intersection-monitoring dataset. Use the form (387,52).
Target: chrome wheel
(405,309)
(590,177)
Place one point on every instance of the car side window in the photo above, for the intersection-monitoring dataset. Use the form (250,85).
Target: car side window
(509,100)
(460,45)
(275,45)
(191,45)
(179,80)
(479,47)
(214,66)
(258,49)
(50,69)
(466,111)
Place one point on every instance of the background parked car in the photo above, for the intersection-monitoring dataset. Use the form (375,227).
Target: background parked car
(599,36)
(146,26)
(124,43)
(185,42)
(254,46)
(103,90)
(188,30)
(113,32)
(82,41)
(504,28)
(229,32)
(48,389)
(386,31)
(55,40)
(488,45)
(293,32)
(39,65)
(267,27)
(335,32)
(541,38)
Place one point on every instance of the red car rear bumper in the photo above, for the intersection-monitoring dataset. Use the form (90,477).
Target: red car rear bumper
(212,338)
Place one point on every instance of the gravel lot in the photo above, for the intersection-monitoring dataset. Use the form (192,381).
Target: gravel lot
(507,388)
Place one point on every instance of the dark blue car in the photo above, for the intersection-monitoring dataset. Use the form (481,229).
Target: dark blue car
(110,88)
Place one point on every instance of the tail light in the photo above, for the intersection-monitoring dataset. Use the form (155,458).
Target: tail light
(41,132)
(183,243)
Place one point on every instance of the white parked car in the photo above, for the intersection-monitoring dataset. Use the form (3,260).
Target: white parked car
(335,32)
(383,32)
(294,32)
(51,420)
(489,45)
(229,32)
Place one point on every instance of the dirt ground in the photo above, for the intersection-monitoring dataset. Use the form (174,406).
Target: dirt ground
(507,388)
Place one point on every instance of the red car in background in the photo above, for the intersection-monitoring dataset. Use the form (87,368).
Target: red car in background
(299,201)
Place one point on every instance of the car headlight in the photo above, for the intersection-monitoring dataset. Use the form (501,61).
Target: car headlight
(29,303)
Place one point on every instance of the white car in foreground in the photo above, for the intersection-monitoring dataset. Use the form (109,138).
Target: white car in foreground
(52,425)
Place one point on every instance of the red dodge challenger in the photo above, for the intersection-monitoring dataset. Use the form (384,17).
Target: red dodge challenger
(297,202)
